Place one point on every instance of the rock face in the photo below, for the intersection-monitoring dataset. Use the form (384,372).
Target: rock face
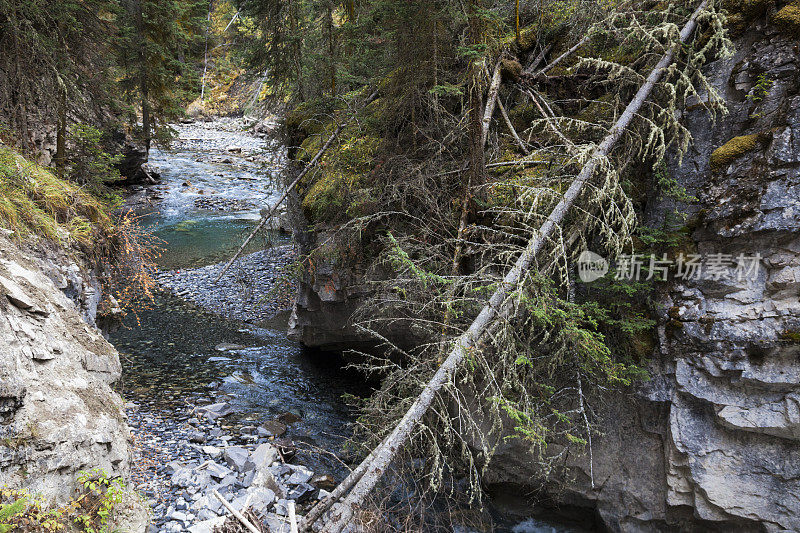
(58,413)
(711,443)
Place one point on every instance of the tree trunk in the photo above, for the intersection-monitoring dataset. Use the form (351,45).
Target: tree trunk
(331,49)
(477,155)
(298,51)
(61,130)
(498,304)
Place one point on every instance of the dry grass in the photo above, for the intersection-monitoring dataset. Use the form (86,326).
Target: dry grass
(34,202)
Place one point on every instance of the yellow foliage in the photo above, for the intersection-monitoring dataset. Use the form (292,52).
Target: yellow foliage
(733,149)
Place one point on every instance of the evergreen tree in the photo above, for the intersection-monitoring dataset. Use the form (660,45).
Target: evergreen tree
(52,51)
(155,36)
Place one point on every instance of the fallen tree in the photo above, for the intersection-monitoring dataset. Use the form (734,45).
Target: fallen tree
(274,209)
(364,478)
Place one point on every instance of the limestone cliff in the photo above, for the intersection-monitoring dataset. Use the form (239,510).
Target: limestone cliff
(58,413)
(711,442)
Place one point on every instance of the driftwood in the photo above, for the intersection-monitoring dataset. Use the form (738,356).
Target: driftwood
(274,208)
(245,522)
(380,458)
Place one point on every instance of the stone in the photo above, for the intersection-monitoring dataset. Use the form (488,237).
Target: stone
(298,478)
(215,410)
(302,492)
(228,347)
(261,500)
(264,478)
(212,451)
(290,417)
(207,526)
(15,294)
(271,428)
(197,437)
(238,458)
(218,471)
(264,455)
(323,482)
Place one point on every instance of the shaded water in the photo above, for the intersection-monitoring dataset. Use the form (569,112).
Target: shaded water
(170,353)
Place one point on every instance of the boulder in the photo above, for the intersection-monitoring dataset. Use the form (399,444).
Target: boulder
(238,459)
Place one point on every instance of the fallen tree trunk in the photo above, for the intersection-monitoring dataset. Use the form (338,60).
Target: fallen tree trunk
(306,170)
(563,56)
(382,456)
(491,102)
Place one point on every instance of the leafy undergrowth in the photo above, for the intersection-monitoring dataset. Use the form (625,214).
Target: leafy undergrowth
(35,202)
(94,510)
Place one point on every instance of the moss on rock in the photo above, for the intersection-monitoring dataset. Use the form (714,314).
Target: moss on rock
(788,19)
(733,149)
(742,12)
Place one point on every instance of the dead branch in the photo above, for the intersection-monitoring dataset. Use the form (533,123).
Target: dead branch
(311,164)
(562,57)
(245,522)
(498,304)
(511,128)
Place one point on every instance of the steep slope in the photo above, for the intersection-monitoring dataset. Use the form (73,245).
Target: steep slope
(709,442)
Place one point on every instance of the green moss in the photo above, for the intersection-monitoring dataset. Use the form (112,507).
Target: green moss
(732,150)
(33,201)
(788,19)
(741,13)
(342,188)
(309,118)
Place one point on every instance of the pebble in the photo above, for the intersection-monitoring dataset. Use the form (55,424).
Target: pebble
(177,476)
(254,289)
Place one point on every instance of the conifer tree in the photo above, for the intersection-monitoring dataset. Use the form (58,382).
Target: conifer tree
(152,42)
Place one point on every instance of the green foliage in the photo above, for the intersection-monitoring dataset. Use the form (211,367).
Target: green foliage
(668,187)
(103,494)
(33,201)
(91,511)
(761,88)
(52,49)
(154,36)
(87,161)
(9,511)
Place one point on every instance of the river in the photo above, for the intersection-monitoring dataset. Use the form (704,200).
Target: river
(215,179)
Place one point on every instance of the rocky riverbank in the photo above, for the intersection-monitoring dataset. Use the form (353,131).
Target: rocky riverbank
(255,288)
(181,459)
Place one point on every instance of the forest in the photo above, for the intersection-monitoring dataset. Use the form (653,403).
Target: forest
(399,265)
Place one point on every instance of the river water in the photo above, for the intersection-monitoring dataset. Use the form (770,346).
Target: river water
(208,200)
(215,179)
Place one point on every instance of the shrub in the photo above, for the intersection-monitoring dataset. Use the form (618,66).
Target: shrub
(87,161)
